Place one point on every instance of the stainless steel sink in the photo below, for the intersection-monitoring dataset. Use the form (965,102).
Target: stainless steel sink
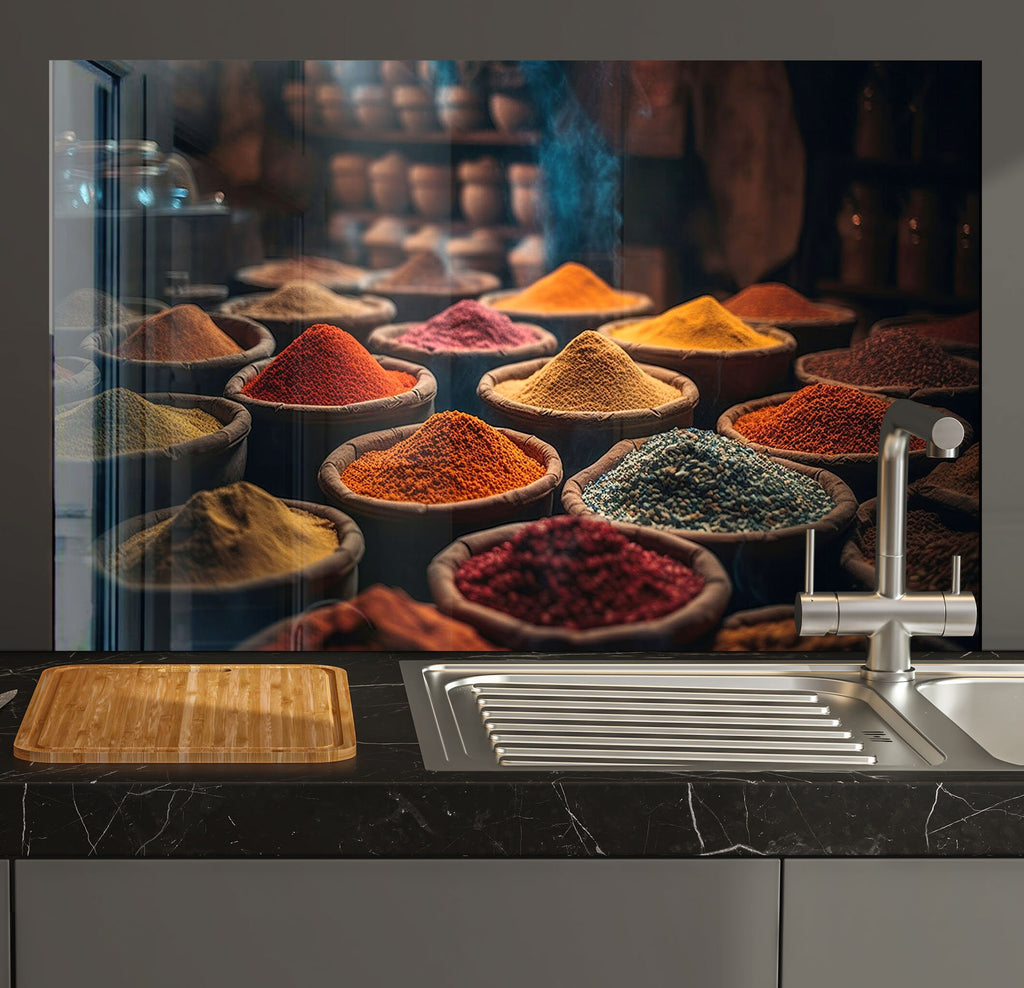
(600,715)
(989,710)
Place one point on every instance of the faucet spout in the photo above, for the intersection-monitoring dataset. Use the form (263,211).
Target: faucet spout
(944,435)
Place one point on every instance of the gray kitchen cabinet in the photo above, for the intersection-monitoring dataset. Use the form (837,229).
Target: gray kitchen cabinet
(396,923)
(5,924)
(848,923)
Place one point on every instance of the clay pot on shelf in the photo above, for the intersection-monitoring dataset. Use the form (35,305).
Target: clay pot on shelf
(526,260)
(333,106)
(481,194)
(415,108)
(349,180)
(525,183)
(430,187)
(397,73)
(373,107)
(460,108)
(389,183)
(482,250)
(512,111)
(383,242)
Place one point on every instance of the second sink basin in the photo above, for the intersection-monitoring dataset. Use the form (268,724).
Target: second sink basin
(990,710)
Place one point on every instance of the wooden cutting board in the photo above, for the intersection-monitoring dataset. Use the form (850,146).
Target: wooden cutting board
(218,712)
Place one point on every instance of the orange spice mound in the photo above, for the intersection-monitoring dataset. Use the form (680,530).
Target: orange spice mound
(183,333)
(569,288)
(451,457)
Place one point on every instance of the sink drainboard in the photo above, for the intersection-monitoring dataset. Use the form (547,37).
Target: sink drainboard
(486,716)
(536,725)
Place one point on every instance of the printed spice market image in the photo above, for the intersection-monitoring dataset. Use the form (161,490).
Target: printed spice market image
(694,480)
(591,374)
(183,333)
(90,309)
(569,288)
(120,421)
(326,366)
(469,326)
(827,419)
(227,536)
(899,357)
(299,299)
(577,573)
(771,300)
(701,324)
(426,270)
(451,457)
(379,619)
(956,329)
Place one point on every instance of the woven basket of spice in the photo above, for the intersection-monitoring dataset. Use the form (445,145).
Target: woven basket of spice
(814,325)
(959,335)
(228,562)
(416,488)
(956,483)
(460,345)
(378,619)
(824,426)
(727,360)
(580,584)
(586,398)
(88,311)
(773,629)
(901,364)
(182,350)
(935,533)
(143,452)
(569,300)
(751,510)
(299,304)
(320,391)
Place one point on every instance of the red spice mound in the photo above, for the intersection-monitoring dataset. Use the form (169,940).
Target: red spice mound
(773,300)
(573,572)
(379,619)
(822,418)
(957,329)
(326,366)
(900,357)
(468,325)
(183,333)
(451,457)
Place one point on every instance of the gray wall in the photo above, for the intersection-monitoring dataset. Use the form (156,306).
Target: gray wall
(529,28)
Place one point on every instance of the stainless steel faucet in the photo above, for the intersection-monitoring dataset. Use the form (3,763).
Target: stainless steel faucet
(890,616)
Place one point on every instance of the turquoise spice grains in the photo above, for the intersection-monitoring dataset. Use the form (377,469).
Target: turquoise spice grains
(700,481)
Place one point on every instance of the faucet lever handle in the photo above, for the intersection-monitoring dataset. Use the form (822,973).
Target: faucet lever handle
(956,573)
(809,563)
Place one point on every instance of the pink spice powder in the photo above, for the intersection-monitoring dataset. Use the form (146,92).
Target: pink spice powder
(468,325)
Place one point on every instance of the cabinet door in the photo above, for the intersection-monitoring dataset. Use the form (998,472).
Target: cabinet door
(934,923)
(387,924)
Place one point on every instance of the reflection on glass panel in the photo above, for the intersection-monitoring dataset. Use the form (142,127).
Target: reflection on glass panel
(450,356)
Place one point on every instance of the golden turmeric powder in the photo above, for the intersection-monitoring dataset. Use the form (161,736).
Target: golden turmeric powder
(569,288)
(591,374)
(701,324)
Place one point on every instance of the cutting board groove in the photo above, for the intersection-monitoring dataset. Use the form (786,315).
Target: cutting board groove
(214,712)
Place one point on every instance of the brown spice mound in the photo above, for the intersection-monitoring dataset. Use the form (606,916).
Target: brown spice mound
(774,300)
(962,475)
(324,270)
(182,333)
(897,358)
(305,298)
(425,269)
(591,374)
(226,536)
(780,636)
(380,619)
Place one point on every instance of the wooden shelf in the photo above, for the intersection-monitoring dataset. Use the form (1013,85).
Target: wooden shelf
(510,231)
(475,138)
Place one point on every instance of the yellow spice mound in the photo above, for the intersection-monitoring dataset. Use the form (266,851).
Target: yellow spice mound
(591,374)
(226,536)
(702,324)
(569,288)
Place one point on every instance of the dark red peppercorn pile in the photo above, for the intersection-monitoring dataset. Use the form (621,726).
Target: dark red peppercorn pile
(572,572)
(930,546)
(958,329)
(898,357)
(326,366)
(823,418)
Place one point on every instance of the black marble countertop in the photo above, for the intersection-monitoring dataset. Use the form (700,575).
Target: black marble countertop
(385,804)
